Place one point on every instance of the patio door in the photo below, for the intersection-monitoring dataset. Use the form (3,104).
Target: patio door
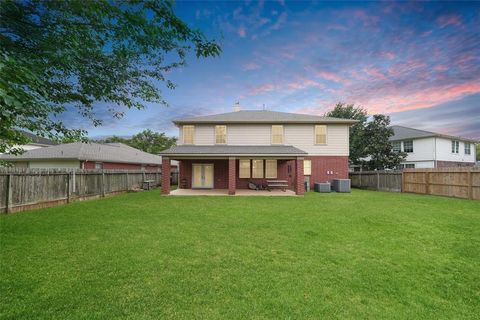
(202,176)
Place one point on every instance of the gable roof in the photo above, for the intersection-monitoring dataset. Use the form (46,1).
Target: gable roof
(262,116)
(38,140)
(108,152)
(402,133)
(192,150)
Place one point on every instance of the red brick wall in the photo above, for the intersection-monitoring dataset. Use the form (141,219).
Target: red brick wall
(165,176)
(232,164)
(118,165)
(327,168)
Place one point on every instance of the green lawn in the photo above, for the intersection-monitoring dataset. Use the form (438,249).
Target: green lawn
(360,255)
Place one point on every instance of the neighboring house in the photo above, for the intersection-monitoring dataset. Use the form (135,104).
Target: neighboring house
(86,156)
(427,149)
(226,151)
(35,142)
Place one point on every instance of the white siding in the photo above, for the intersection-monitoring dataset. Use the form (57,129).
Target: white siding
(302,136)
(249,134)
(54,164)
(421,164)
(444,151)
(423,149)
(297,135)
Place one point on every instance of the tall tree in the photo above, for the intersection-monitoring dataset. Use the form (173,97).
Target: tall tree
(57,55)
(378,148)
(147,140)
(357,141)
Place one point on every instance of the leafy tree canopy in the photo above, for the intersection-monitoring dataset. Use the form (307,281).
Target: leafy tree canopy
(56,55)
(350,111)
(147,140)
(378,147)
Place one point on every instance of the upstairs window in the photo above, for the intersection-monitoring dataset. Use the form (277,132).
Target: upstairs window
(320,134)
(271,169)
(408,146)
(396,146)
(307,167)
(455,146)
(220,134)
(409,165)
(244,169)
(467,148)
(257,168)
(277,134)
(188,133)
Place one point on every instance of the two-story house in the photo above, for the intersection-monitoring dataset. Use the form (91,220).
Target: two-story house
(227,151)
(427,149)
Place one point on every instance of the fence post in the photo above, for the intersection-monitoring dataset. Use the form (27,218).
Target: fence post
(103,183)
(69,193)
(8,205)
(127,186)
(470,185)
(403,181)
(156,178)
(360,180)
(378,181)
(427,182)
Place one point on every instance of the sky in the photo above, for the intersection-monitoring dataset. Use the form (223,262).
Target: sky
(418,62)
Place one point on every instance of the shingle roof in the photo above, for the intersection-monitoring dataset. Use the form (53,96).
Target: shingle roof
(110,152)
(262,116)
(233,150)
(38,140)
(402,133)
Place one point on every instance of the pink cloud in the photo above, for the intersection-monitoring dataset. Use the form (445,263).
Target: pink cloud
(304,83)
(449,19)
(367,20)
(261,89)
(388,55)
(242,32)
(250,66)
(440,67)
(375,73)
(327,75)
(402,101)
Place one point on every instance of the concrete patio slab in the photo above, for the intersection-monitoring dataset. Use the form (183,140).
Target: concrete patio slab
(239,192)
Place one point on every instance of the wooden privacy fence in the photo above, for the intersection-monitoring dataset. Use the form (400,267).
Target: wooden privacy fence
(22,189)
(450,182)
(377,180)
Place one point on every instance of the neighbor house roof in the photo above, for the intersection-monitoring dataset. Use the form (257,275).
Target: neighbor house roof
(190,150)
(38,140)
(108,152)
(402,133)
(262,116)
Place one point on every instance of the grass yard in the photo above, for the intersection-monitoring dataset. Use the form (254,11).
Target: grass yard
(360,255)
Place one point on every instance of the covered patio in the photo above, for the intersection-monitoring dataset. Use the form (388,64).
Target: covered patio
(223,169)
(239,192)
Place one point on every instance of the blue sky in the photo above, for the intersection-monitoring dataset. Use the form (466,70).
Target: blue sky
(419,62)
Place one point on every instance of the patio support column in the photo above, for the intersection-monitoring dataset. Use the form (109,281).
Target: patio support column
(166,175)
(299,180)
(232,183)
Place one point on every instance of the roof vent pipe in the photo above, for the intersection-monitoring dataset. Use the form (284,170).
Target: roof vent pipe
(236,107)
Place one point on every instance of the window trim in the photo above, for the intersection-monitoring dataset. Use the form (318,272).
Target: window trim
(310,167)
(253,169)
(455,147)
(271,134)
(267,176)
(315,134)
(403,144)
(193,134)
(215,134)
(240,168)
(465,144)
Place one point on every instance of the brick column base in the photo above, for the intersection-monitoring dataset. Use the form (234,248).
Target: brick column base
(231,176)
(166,175)
(299,180)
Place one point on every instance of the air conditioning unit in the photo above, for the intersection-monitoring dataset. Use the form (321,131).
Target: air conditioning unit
(341,185)
(323,187)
